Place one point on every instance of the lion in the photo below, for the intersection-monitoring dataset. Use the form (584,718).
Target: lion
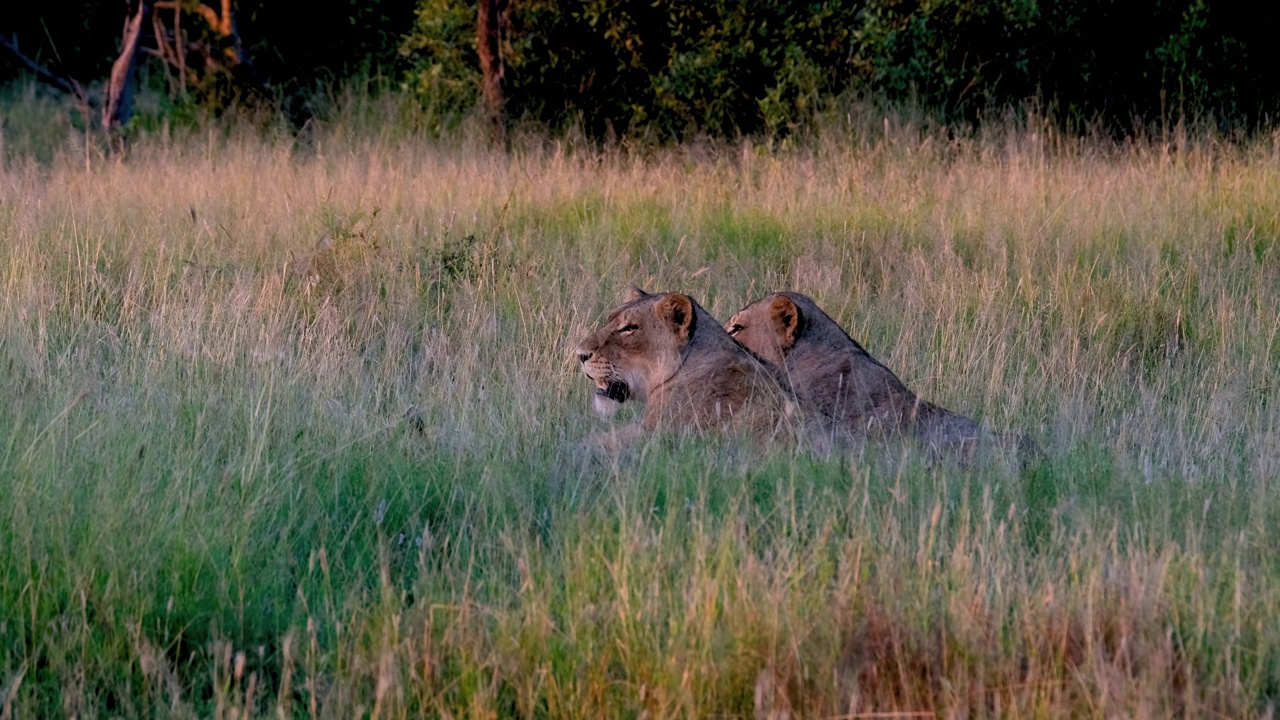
(666,351)
(834,377)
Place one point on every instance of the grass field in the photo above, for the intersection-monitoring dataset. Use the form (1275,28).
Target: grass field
(211,503)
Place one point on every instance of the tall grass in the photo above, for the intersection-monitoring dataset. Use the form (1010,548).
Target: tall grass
(290,428)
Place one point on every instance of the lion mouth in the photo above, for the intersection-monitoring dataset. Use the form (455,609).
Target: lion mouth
(615,390)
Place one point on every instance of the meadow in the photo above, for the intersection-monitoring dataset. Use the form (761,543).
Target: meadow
(289,426)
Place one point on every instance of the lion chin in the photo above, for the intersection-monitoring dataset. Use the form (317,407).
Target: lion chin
(609,397)
(606,407)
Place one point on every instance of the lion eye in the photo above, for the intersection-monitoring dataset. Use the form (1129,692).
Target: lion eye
(735,329)
(628,328)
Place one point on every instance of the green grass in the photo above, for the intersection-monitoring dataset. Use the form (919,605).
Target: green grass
(212,503)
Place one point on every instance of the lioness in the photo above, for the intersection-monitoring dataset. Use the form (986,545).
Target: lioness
(831,375)
(667,352)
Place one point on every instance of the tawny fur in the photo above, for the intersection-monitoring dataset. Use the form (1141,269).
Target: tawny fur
(667,352)
(832,376)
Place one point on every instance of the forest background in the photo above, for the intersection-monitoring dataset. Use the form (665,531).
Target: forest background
(680,70)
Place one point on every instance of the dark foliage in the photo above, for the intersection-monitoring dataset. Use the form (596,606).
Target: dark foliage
(670,69)
(295,48)
(678,69)
(722,67)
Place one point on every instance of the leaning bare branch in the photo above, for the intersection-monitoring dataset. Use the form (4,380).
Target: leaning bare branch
(42,73)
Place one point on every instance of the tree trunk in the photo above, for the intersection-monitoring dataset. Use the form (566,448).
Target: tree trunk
(491,16)
(117,106)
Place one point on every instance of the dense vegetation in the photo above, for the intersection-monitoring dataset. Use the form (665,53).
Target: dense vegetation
(290,428)
(684,68)
(677,70)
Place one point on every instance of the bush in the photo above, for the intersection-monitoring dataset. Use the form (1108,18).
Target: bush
(673,70)
(680,69)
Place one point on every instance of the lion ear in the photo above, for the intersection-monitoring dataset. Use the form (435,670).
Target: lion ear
(786,320)
(636,294)
(676,311)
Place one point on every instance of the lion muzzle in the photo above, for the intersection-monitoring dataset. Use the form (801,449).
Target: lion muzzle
(610,391)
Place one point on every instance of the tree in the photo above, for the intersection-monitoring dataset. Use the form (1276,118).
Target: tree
(490,21)
(215,45)
(117,106)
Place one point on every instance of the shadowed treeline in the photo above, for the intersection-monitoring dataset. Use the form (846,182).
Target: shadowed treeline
(673,71)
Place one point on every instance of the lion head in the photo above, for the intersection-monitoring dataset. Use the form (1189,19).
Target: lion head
(769,327)
(637,347)
(666,351)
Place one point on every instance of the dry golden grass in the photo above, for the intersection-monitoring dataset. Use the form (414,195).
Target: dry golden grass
(211,501)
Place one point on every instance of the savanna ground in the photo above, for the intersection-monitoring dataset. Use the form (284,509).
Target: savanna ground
(212,503)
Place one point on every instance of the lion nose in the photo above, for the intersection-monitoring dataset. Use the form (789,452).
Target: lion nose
(583,356)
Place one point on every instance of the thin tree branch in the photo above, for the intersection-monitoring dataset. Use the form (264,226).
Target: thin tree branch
(66,84)
(179,48)
(209,14)
(224,25)
(164,52)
